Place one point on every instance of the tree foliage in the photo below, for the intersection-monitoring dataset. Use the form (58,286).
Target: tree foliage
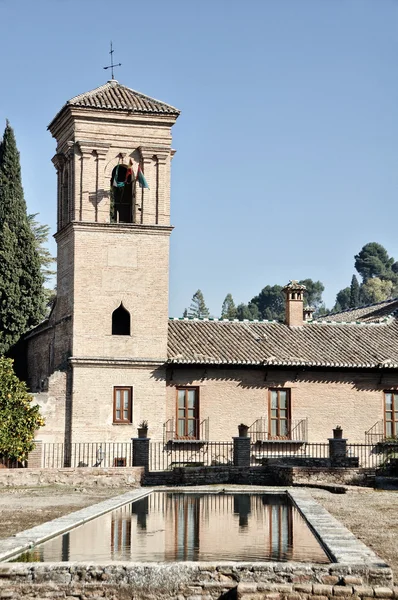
(313,293)
(198,308)
(343,299)
(22,302)
(376,290)
(373,261)
(19,419)
(228,309)
(41,233)
(247,311)
(270,303)
(354,292)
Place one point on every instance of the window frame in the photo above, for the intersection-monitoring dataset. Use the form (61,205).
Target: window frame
(394,409)
(278,418)
(129,419)
(186,418)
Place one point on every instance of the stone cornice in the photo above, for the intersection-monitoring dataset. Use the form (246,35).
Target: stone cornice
(125,228)
(94,361)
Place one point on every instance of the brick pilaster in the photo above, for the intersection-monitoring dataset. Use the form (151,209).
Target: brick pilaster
(241,451)
(141,452)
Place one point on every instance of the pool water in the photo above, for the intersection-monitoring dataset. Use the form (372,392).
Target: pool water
(168,527)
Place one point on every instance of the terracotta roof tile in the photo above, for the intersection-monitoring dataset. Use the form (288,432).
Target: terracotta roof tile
(114,96)
(271,343)
(366,314)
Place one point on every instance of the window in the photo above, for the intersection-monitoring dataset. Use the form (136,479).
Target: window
(279,413)
(391,414)
(122,405)
(187,413)
(121,321)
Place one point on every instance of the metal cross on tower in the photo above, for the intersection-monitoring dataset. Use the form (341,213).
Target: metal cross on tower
(112,65)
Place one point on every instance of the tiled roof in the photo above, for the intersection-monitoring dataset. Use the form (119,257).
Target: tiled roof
(372,313)
(114,96)
(194,341)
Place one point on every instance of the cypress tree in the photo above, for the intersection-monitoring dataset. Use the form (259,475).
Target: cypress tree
(354,292)
(21,282)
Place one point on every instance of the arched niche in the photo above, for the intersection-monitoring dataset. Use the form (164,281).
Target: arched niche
(121,321)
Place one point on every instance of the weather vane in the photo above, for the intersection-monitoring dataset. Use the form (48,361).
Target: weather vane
(112,65)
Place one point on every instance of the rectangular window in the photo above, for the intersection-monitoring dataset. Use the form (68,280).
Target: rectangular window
(122,404)
(391,414)
(187,413)
(279,414)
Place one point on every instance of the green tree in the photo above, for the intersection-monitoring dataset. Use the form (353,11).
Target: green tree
(343,299)
(19,419)
(228,309)
(198,308)
(247,311)
(354,292)
(22,302)
(373,261)
(313,293)
(41,233)
(376,290)
(270,303)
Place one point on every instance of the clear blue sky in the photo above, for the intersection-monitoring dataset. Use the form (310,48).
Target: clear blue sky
(287,160)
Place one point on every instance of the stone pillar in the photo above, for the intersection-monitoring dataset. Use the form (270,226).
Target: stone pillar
(337,451)
(242,451)
(34,457)
(141,452)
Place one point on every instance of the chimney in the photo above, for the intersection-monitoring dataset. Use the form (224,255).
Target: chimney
(308,312)
(294,293)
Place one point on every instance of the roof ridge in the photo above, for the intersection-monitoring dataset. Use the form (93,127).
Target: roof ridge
(349,310)
(219,320)
(113,83)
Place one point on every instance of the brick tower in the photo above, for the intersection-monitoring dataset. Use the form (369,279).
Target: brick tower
(109,324)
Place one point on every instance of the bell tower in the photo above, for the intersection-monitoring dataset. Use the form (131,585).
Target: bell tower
(113,162)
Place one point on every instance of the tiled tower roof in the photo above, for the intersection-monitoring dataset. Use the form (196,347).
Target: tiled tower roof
(115,96)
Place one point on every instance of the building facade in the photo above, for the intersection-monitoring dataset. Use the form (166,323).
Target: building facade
(108,357)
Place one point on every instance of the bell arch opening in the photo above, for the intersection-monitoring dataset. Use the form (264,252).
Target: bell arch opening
(120,321)
(122,195)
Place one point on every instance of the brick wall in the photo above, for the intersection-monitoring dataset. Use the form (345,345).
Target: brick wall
(233,396)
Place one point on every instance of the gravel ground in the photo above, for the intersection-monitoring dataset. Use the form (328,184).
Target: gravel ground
(371,515)
(22,508)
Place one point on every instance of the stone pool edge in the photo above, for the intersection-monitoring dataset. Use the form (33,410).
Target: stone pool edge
(25,540)
(357,573)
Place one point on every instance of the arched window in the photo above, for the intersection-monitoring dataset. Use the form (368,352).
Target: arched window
(121,321)
(122,191)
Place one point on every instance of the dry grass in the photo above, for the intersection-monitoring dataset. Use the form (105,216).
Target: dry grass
(372,515)
(22,508)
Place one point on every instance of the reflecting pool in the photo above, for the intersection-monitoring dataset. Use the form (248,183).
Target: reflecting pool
(165,527)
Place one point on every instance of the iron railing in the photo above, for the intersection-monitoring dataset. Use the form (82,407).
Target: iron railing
(174,454)
(375,433)
(87,454)
(373,456)
(297,430)
(199,430)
